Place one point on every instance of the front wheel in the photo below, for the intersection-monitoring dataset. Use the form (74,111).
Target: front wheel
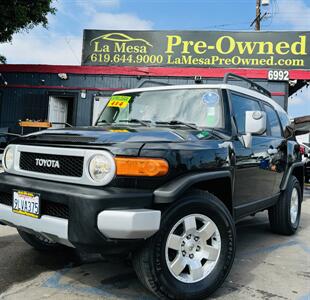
(191,255)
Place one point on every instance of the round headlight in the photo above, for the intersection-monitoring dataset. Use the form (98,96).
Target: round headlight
(8,158)
(102,168)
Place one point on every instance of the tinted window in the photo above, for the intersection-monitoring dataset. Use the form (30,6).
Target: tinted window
(273,121)
(285,121)
(240,105)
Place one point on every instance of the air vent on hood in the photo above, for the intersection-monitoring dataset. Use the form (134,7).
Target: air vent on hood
(70,138)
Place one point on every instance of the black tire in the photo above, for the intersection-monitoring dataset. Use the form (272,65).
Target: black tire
(38,242)
(280,215)
(150,262)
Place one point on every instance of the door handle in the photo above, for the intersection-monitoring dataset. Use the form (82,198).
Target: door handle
(272,151)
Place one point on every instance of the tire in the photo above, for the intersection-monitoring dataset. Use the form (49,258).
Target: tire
(283,218)
(39,242)
(153,263)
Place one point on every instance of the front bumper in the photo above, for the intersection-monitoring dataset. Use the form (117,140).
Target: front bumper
(102,220)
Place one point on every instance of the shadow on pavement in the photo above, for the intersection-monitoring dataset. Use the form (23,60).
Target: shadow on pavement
(100,277)
(19,262)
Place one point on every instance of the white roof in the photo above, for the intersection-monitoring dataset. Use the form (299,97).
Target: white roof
(231,87)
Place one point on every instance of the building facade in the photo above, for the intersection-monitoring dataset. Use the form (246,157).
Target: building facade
(77,94)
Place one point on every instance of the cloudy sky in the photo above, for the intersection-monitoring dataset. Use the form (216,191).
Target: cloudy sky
(61,43)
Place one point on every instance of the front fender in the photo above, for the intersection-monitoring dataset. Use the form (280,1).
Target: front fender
(175,188)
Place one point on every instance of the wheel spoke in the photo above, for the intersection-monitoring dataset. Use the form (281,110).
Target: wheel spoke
(174,242)
(196,270)
(210,252)
(207,231)
(178,265)
(190,224)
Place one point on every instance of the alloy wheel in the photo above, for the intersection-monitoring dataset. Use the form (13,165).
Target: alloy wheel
(193,248)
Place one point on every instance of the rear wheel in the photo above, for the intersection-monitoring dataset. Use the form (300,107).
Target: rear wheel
(191,255)
(38,241)
(284,217)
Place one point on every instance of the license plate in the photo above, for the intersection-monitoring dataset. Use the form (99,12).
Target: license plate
(26,203)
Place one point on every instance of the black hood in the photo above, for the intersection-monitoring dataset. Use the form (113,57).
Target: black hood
(107,135)
(120,140)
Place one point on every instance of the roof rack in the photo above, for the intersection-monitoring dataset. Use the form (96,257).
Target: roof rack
(253,85)
(159,83)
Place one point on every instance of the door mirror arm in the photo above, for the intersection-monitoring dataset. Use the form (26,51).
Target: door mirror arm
(247,140)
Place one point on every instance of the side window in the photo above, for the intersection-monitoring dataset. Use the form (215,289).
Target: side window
(273,121)
(285,121)
(241,104)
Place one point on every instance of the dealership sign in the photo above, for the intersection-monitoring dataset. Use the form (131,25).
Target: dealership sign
(277,50)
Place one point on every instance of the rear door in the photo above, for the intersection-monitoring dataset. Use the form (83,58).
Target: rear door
(277,146)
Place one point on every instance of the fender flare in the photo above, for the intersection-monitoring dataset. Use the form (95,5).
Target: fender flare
(289,173)
(171,191)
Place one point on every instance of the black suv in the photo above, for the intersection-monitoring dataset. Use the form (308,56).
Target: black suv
(164,176)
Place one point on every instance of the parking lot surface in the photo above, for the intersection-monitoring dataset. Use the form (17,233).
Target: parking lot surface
(267,266)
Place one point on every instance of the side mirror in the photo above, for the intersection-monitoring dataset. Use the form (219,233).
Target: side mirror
(255,123)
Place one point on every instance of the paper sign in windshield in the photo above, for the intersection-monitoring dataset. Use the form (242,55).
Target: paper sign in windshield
(119,101)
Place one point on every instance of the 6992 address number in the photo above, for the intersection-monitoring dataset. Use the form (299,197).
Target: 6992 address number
(278,75)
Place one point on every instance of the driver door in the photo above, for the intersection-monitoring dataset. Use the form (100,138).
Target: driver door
(254,179)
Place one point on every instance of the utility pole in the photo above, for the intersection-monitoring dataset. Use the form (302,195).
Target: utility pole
(258,15)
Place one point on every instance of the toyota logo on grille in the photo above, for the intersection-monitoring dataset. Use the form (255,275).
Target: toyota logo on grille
(49,163)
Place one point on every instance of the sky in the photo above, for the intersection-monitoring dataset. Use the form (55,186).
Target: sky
(61,42)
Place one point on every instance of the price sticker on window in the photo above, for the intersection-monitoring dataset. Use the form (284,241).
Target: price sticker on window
(119,101)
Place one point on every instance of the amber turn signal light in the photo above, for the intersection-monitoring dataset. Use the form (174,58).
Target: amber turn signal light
(141,166)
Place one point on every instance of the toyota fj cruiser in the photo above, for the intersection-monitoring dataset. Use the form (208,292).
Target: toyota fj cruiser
(164,176)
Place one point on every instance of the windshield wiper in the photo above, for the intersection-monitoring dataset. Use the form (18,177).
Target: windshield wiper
(177,122)
(142,122)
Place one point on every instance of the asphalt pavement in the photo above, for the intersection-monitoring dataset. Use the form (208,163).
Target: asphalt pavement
(267,266)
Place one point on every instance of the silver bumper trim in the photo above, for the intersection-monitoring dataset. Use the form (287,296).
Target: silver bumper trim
(129,224)
(54,228)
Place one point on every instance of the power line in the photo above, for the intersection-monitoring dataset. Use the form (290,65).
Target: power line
(70,47)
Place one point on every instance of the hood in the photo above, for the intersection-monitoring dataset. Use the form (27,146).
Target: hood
(125,140)
(112,135)
(106,135)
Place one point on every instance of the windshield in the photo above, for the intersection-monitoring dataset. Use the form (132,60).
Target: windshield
(201,107)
